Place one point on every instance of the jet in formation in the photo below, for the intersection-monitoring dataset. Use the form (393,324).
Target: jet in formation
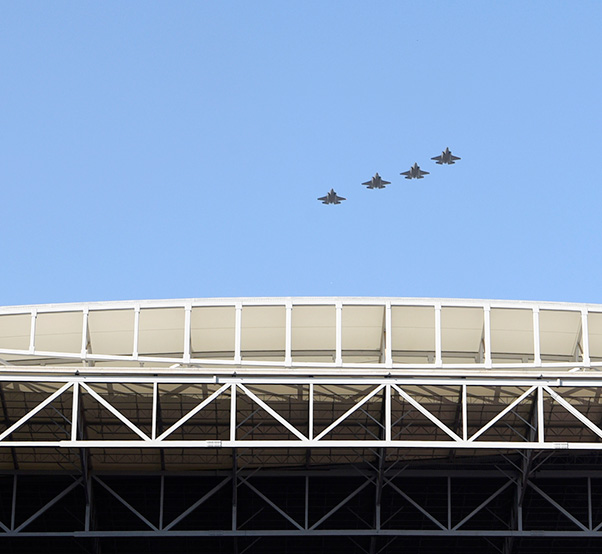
(446,158)
(415,172)
(376,182)
(331,198)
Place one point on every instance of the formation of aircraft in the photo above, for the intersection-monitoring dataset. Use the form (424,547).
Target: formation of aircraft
(377,182)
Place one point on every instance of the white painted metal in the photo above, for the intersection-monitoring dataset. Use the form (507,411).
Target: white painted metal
(308,385)
(536,339)
(342,360)
(386,386)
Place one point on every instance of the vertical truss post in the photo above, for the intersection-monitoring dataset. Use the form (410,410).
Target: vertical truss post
(590,523)
(516,515)
(464,414)
(540,422)
(136,332)
(310,430)
(387,409)
(159,424)
(161,501)
(438,354)
(234,498)
(79,424)
(187,332)
(85,334)
(32,331)
(155,406)
(385,432)
(487,335)
(307,467)
(288,334)
(339,334)
(520,491)
(75,412)
(238,333)
(233,412)
(13,508)
(449,504)
(536,341)
(388,335)
(585,337)
(306,526)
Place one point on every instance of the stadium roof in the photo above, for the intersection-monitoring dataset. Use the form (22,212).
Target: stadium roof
(305,333)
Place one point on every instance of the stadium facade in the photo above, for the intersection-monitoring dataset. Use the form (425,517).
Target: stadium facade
(373,425)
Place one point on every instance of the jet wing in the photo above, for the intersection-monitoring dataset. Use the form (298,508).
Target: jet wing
(367,183)
(455,157)
(420,172)
(338,198)
(324,199)
(438,158)
(385,182)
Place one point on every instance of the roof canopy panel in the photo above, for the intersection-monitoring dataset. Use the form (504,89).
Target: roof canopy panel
(304,332)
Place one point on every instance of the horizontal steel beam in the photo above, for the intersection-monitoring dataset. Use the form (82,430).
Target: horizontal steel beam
(314,533)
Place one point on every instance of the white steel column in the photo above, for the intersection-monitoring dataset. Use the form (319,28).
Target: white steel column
(487,335)
(464,414)
(233,412)
(536,339)
(84,353)
(288,326)
(187,314)
(339,334)
(75,411)
(310,432)
(540,423)
(136,332)
(585,337)
(155,407)
(387,412)
(32,331)
(388,335)
(438,355)
(238,333)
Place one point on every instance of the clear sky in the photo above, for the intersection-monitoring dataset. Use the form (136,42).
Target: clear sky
(177,149)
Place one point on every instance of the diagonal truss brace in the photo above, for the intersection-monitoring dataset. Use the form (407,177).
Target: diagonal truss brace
(194,411)
(507,409)
(116,412)
(272,412)
(349,412)
(427,414)
(34,411)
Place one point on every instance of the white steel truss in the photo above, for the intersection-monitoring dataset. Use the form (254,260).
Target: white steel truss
(317,413)
(468,413)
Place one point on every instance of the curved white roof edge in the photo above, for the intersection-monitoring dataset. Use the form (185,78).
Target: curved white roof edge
(310,300)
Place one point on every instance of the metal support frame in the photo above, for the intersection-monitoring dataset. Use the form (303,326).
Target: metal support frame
(254,416)
(302,431)
(442,518)
(184,356)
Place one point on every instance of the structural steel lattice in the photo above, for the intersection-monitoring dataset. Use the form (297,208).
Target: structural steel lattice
(368,418)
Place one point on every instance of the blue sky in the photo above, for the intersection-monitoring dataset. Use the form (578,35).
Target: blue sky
(176,149)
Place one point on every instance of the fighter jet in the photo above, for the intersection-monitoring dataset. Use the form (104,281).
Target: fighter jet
(415,172)
(376,182)
(331,198)
(446,158)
